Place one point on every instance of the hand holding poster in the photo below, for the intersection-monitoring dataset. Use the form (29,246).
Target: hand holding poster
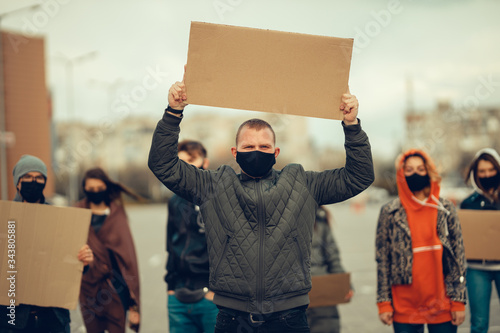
(39,245)
(329,289)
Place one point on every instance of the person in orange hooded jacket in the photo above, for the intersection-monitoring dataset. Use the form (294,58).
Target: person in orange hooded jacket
(419,252)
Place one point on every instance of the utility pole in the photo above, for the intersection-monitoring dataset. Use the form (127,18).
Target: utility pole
(69,65)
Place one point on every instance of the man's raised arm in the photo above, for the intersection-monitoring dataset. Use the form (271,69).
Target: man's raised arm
(182,178)
(337,185)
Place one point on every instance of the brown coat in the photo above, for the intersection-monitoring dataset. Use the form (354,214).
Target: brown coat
(99,301)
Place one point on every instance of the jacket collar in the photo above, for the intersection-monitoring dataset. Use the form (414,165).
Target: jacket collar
(269,175)
(394,205)
(396,208)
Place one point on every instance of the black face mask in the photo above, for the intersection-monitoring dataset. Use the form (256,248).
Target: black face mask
(490,182)
(255,163)
(417,182)
(97,197)
(32,191)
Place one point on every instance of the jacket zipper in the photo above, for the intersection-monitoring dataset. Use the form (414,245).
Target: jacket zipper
(260,268)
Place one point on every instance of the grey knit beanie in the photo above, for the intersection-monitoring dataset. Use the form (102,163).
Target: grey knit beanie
(28,163)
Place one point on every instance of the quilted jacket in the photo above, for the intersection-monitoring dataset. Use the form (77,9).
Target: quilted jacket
(394,253)
(259,230)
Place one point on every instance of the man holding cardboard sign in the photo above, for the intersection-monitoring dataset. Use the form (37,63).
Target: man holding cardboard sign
(259,222)
(30,176)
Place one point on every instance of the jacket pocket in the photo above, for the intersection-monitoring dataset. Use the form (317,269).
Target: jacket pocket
(222,257)
(302,262)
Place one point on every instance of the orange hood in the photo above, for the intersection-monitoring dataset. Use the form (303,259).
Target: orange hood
(408,200)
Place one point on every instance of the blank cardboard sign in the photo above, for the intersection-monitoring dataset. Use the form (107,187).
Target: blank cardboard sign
(481,233)
(43,269)
(329,289)
(266,70)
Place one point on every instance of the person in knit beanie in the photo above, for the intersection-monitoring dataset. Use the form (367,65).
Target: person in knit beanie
(30,176)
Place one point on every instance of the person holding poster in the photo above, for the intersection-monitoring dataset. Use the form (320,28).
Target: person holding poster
(110,288)
(259,222)
(484,175)
(419,252)
(325,259)
(30,177)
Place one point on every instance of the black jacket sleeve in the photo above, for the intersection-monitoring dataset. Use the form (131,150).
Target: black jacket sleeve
(187,181)
(340,184)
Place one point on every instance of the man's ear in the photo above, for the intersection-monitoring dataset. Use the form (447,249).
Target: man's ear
(276,152)
(234,151)
(205,164)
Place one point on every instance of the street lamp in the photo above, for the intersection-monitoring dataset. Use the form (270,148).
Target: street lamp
(4,193)
(70,92)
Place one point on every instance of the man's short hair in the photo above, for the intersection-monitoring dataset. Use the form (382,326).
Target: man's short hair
(193,148)
(257,124)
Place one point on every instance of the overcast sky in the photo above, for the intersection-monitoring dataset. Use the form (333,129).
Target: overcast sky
(447,48)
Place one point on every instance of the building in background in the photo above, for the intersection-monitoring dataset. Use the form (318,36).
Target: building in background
(452,136)
(123,149)
(26,106)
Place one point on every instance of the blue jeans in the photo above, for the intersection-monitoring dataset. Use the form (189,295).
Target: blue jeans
(191,317)
(288,321)
(446,327)
(479,293)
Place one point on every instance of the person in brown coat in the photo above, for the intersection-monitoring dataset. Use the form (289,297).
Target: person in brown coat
(110,287)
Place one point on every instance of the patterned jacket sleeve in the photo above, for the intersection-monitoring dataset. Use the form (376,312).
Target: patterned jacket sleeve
(455,280)
(383,257)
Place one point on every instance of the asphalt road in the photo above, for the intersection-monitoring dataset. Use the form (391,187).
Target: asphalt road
(354,230)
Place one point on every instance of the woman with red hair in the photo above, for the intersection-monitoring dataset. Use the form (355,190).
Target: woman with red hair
(420,253)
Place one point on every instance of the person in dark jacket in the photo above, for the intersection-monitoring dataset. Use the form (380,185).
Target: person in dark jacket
(325,259)
(190,306)
(484,175)
(259,222)
(30,177)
